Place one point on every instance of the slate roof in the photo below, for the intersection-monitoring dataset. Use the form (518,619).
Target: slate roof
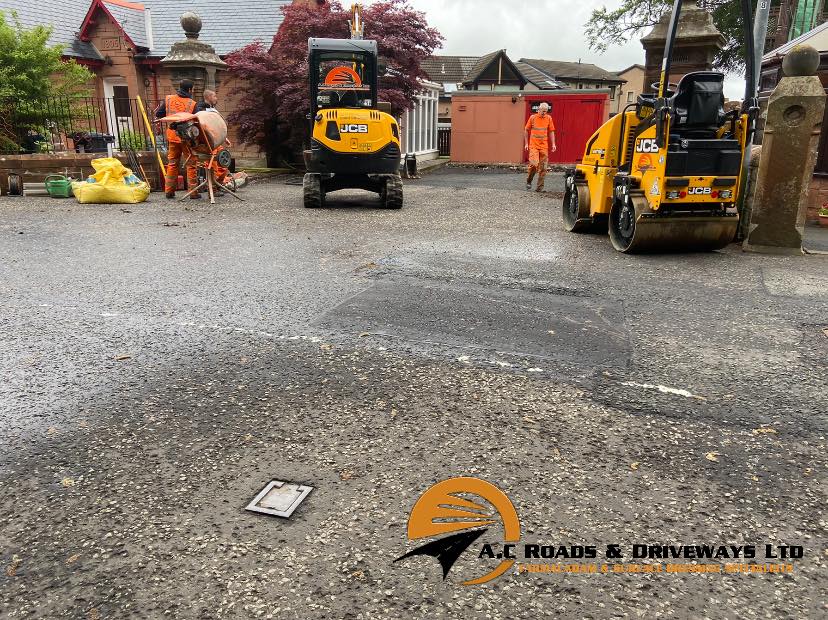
(545,74)
(227,25)
(623,71)
(480,66)
(537,77)
(65,17)
(458,69)
(573,70)
(448,69)
(133,22)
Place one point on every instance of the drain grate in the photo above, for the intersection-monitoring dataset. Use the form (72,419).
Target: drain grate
(279,499)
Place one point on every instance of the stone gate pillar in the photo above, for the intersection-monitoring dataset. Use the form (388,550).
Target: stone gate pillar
(193,59)
(789,150)
(695,48)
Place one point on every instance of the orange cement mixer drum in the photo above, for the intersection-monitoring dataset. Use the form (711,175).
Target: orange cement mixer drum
(213,126)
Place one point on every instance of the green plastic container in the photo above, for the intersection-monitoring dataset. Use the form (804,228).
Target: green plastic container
(58,186)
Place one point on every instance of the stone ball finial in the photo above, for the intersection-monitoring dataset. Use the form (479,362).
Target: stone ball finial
(802,60)
(191,23)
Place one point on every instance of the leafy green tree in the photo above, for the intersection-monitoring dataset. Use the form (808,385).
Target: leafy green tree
(30,68)
(36,85)
(635,17)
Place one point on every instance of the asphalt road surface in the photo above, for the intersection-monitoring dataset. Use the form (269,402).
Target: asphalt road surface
(162,362)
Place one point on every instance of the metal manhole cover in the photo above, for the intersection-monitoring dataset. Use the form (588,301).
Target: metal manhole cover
(279,499)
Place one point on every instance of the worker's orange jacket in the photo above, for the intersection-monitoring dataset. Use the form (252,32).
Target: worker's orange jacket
(175,104)
(539,127)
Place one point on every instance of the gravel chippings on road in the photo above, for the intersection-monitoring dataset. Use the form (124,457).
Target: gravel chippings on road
(158,376)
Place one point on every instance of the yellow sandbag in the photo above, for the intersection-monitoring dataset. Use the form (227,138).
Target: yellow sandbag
(97,194)
(109,168)
(113,183)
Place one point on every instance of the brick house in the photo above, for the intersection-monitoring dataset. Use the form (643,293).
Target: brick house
(631,89)
(123,42)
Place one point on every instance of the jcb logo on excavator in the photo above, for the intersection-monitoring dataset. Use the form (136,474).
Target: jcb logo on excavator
(646,145)
(353,129)
(698,190)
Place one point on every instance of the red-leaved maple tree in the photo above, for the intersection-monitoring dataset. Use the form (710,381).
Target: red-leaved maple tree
(275,77)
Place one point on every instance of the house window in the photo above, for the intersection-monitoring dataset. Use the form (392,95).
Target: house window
(630,97)
(612,93)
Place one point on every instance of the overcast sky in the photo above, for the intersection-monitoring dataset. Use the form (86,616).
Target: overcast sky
(548,29)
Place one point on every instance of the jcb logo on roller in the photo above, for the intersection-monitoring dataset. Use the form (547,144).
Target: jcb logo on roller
(698,190)
(353,128)
(646,145)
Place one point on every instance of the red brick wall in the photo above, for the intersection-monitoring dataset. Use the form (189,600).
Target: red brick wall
(817,196)
(230,99)
(111,43)
(247,155)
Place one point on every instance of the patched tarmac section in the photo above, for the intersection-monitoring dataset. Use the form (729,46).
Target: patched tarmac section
(586,331)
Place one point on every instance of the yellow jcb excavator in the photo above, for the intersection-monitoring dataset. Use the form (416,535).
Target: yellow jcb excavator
(355,142)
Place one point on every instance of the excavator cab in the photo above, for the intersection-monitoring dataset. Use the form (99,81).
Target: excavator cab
(665,174)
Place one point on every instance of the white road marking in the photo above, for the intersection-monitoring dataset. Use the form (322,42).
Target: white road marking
(662,388)
(501,364)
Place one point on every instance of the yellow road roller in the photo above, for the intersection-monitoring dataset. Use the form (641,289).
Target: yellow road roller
(665,174)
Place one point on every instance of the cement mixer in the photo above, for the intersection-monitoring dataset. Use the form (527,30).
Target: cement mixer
(204,136)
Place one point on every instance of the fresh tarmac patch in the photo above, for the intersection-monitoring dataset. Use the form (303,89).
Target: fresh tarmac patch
(583,331)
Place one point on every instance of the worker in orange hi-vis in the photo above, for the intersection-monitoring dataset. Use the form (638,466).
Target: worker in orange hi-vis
(209,104)
(540,135)
(182,101)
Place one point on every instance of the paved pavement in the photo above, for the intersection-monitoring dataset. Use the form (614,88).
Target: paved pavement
(816,238)
(162,362)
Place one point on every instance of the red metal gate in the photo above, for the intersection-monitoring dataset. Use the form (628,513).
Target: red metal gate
(576,118)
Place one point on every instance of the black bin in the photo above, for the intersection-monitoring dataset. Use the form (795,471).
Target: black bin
(93,142)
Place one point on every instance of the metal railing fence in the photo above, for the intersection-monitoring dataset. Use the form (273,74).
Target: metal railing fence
(80,124)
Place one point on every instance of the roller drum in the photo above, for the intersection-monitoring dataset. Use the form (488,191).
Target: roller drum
(652,232)
(575,208)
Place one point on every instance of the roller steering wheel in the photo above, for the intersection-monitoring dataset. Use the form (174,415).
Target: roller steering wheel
(671,87)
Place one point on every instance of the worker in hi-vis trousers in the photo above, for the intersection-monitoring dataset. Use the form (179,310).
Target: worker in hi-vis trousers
(182,101)
(540,134)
